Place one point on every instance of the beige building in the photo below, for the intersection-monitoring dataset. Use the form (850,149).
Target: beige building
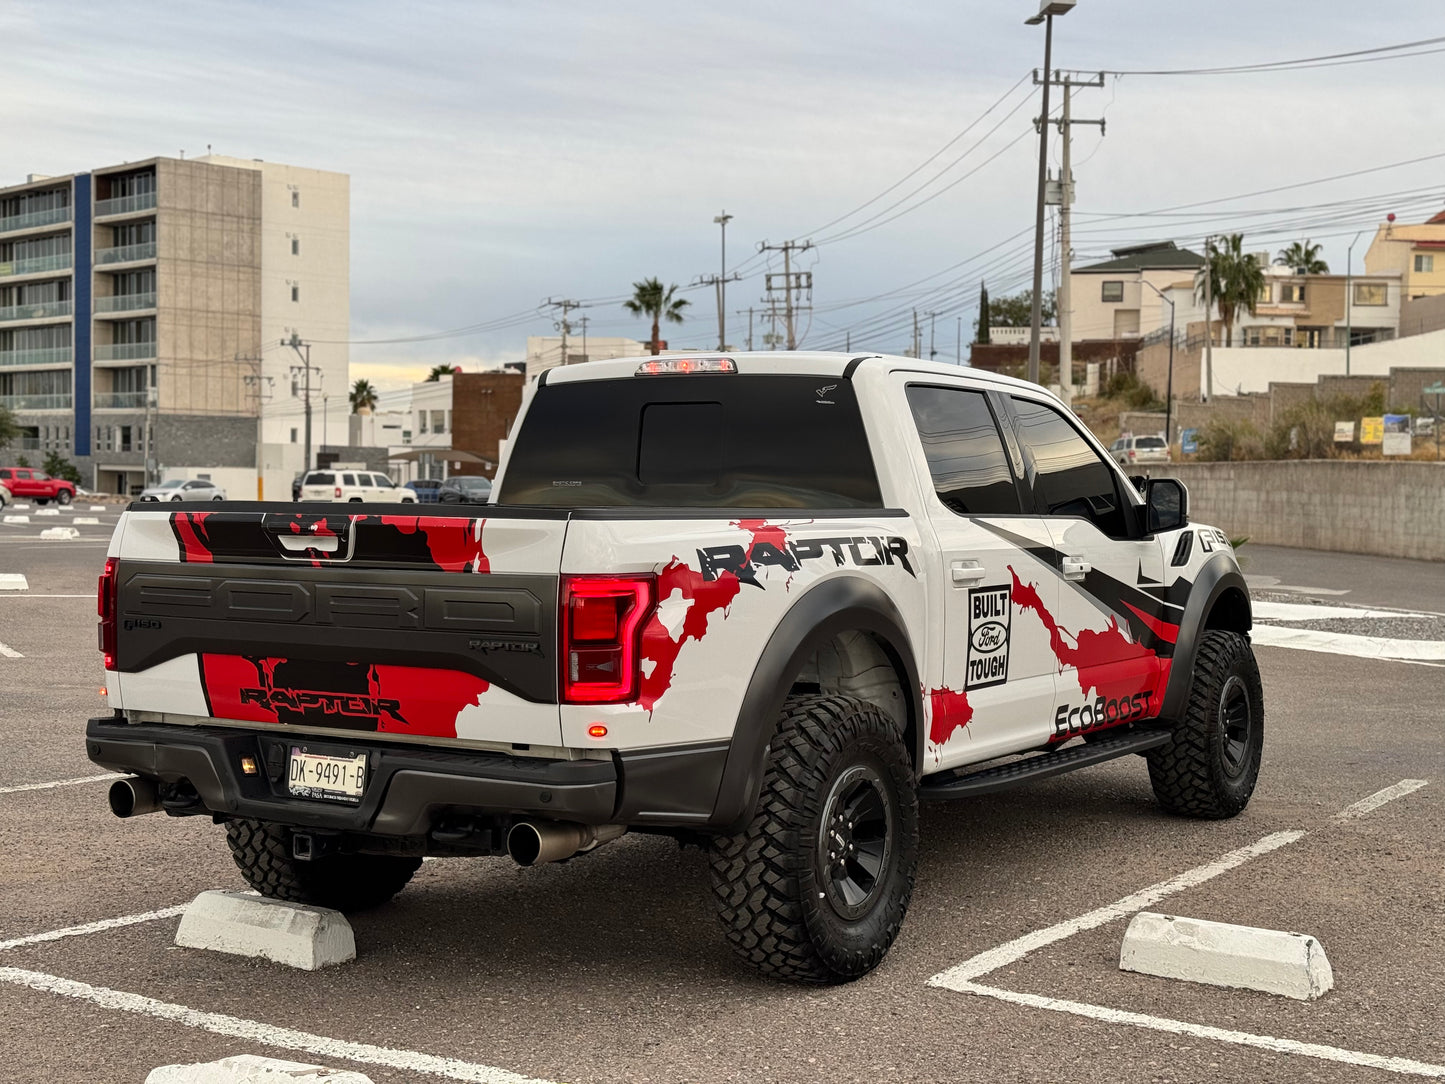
(1416,253)
(1113,299)
(142,309)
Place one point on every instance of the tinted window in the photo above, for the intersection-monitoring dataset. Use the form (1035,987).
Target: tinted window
(708,441)
(348,479)
(965,452)
(320,478)
(4,474)
(1068,476)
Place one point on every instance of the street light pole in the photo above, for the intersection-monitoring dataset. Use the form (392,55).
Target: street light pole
(1169,382)
(1047,10)
(722,220)
(1349,299)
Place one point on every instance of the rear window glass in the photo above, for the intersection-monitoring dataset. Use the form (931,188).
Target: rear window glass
(320,478)
(1149,442)
(734,441)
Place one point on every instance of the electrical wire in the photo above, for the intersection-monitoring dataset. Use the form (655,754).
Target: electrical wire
(1328,60)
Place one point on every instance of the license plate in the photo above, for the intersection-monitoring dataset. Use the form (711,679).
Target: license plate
(320,775)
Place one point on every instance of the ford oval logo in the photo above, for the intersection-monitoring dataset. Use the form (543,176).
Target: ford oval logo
(989,636)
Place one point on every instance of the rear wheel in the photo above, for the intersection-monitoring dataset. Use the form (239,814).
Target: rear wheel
(815,888)
(347,882)
(42,500)
(1210,766)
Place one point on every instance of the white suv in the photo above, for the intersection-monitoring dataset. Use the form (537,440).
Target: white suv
(353,486)
(1127,451)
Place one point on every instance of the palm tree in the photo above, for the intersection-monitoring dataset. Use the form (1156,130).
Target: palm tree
(363,396)
(439,371)
(650,299)
(1235,281)
(1304,258)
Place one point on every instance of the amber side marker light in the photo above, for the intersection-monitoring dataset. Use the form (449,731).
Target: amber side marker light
(248,765)
(597,730)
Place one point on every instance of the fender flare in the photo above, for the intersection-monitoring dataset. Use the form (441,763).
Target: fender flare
(1218,575)
(840,604)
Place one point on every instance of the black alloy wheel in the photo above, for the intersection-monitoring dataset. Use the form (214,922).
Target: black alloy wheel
(854,842)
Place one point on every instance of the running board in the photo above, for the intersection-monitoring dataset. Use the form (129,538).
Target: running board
(1042,766)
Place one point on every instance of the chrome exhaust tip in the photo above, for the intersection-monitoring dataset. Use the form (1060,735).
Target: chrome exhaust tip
(533,843)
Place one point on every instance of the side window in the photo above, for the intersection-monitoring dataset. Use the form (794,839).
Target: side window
(1068,477)
(965,453)
(348,479)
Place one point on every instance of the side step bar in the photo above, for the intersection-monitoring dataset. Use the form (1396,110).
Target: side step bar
(946,785)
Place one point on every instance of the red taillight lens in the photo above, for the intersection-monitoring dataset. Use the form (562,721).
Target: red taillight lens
(601,624)
(1131,455)
(105,606)
(338,491)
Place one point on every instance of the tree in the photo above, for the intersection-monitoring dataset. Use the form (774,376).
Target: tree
(1235,281)
(57,467)
(363,396)
(1304,258)
(8,429)
(981,335)
(1018,310)
(650,299)
(439,371)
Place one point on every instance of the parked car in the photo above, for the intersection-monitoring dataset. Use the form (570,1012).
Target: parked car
(425,489)
(353,486)
(182,489)
(26,484)
(466,489)
(296,486)
(1128,451)
(4,496)
(904,573)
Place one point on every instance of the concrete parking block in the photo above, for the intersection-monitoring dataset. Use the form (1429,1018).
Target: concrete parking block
(15,519)
(243,924)
(1222,954)
(78,520)
(13,581)
(253,1069)
(20,506)
(48,512)
(59,534)
(96,508)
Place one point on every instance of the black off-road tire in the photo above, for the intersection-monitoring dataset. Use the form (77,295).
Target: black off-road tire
(781,899)
(1209,767)
(346,882)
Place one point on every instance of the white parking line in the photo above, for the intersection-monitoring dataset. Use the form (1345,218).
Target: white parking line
(1020,947)
(1380,797)
(960,978)
(93,927)
(1343,643)
(58,782)
(9,652)
(267,1034)
(30,594)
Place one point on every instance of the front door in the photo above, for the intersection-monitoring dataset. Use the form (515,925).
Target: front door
(991,675)
(1112,633)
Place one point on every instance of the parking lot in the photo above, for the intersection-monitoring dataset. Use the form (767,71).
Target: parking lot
(611,967)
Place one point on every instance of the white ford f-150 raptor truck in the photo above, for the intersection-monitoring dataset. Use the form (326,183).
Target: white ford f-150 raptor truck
(763,602)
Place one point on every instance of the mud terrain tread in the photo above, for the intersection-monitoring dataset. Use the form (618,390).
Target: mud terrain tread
(347,882)
(1185,773)
(756,874)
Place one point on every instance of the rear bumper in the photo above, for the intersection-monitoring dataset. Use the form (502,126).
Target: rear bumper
(410,788)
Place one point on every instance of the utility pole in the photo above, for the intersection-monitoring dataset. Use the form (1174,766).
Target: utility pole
(1209,321)
(722,220)
(932,353)
(750,325)
(958,344)
(262,386)
(792,280)
(561,323)
(1350,298)
(296,344)
(719,285)
(583,321)
(1064,302)
(917,342)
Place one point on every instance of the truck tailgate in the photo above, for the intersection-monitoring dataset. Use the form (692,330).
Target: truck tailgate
(437,628)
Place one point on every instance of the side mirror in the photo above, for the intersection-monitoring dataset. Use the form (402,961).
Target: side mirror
(1168,504)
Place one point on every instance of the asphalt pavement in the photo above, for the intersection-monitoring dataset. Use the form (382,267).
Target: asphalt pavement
(611,967)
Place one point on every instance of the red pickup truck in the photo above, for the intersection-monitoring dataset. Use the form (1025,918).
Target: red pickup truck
(26,484)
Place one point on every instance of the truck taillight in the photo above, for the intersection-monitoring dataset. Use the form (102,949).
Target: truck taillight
(338,491)
(601,633)
(105,606)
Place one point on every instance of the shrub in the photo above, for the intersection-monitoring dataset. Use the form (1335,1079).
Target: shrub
(57,467)
(1227,439)
(1134,392)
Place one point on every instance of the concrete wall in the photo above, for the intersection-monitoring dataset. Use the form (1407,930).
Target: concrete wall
(1424,314)
(1386,509)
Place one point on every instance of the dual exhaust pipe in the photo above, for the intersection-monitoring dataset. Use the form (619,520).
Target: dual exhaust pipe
(529,843)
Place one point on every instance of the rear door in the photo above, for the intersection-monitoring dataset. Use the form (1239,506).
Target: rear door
(1113,630)
(991,682)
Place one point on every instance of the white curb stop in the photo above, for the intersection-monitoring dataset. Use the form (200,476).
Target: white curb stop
(253,1069)
(48,512)
(20,507)
(15,519)
(57,534)
(286,933)
(78,520)
(13,581)
(1221,954)
(96,508)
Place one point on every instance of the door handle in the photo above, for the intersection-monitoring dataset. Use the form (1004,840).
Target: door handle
(1076,568)
(965,572)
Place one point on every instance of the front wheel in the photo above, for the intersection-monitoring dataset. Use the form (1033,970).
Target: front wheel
(63,497)
(1211,764)
(347,882)
(815,888)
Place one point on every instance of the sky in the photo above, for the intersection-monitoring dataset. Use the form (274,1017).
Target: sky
(501,154)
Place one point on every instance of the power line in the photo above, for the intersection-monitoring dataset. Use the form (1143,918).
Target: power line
(1327,60)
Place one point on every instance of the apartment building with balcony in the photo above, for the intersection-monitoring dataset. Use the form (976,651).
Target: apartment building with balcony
(142,308)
